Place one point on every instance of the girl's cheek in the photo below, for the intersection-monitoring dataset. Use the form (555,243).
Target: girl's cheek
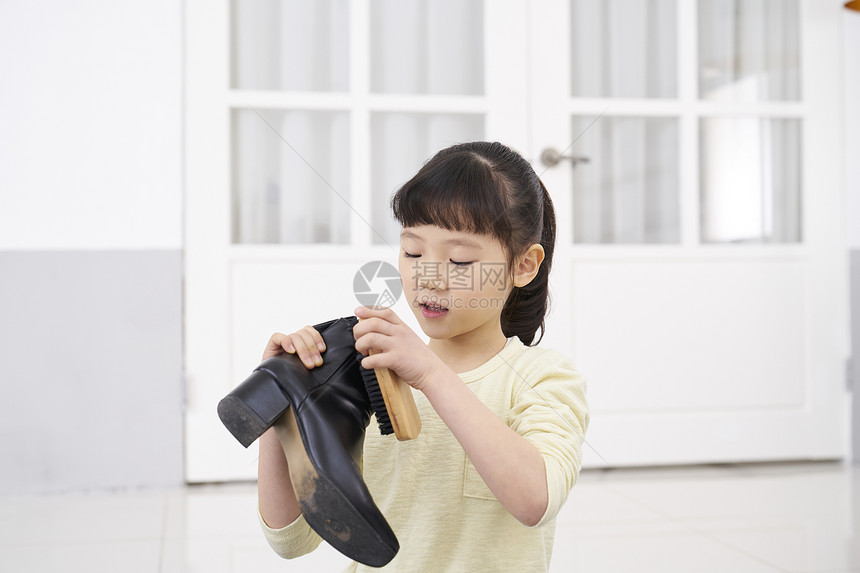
(494,282)
(406,275)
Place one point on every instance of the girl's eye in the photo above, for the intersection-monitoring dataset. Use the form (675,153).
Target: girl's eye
(410,255)
(459,264)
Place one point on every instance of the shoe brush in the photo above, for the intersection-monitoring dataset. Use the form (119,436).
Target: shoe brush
(392,402)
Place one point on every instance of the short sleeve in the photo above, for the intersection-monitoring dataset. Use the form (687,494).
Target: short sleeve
(550,410)
(294,540)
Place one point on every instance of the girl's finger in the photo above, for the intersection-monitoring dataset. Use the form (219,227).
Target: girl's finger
(374,361)
(307,348)
(276,345)
(379,360)
(373,324)
(288,345)
(285,343)
(318,339)
(302,351)
(386,313)
(372,341)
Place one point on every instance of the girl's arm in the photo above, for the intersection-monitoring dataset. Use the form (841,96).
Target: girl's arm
(509,464)
(278,505)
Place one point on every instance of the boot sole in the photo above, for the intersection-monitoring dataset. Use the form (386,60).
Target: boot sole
(326,509)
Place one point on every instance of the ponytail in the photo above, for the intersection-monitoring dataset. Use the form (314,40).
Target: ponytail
(526,308)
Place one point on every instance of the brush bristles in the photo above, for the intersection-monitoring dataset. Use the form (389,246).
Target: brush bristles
(377,402)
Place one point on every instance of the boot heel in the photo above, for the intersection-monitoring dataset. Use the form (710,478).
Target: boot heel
(252,407)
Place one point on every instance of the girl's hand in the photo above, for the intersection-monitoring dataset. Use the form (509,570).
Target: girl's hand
(394,346)
(307,343)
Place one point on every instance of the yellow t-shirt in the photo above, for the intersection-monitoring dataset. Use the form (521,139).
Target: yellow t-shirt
(444,515)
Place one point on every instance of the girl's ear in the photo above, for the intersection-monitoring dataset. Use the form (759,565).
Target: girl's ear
(528,265)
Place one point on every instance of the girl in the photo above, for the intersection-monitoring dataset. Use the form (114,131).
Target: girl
(503,421)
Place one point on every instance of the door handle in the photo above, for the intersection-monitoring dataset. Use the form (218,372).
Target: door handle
(551,157)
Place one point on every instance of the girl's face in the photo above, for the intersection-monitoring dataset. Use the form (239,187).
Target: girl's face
(456,282)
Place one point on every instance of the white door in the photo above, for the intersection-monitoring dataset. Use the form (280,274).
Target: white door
(705,258)
(696,350)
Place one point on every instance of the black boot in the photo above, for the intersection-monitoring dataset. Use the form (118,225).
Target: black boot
(326,426)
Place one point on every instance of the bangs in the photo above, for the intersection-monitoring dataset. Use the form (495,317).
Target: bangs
(457,192)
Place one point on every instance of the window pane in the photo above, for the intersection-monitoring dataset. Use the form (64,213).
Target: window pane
(623,48)
(750,50)
(750,173)
(427,47)
(290,45)
(401,143)
(290,177)
(628,190)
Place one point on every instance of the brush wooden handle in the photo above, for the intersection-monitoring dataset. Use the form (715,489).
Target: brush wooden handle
(400,404)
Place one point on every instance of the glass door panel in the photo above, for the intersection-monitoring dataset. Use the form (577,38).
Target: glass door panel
(290,177)
(627,192)
(290,45)
(750,165)
(750,180)
(423,47)
(623,48)
(749,50)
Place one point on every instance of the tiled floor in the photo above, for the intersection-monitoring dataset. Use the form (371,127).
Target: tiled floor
(725,519)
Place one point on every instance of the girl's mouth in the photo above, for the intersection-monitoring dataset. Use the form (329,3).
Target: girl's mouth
(432,310)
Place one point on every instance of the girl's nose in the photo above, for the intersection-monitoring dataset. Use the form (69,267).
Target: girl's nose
(431,276)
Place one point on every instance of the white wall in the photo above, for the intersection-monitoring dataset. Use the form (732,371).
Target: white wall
(90,124)
(851,91)
(851,151)
(90,244)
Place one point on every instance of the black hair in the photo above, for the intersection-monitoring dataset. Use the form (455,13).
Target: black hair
(489,189)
